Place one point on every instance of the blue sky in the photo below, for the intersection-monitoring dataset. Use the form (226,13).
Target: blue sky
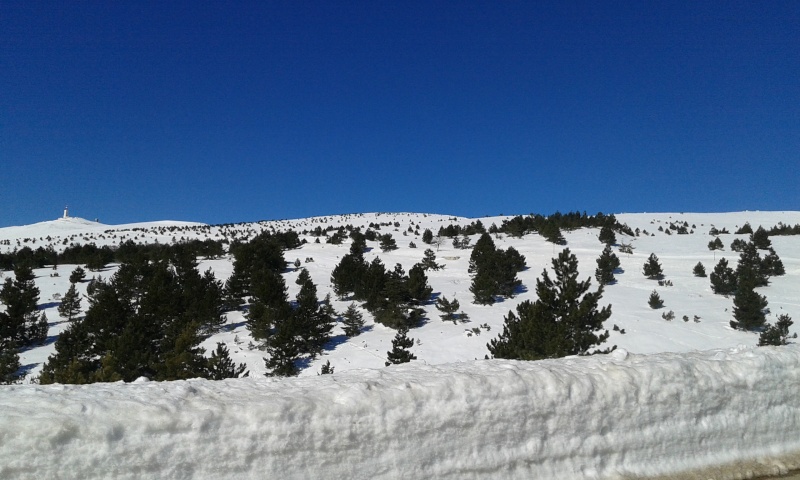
(236,111)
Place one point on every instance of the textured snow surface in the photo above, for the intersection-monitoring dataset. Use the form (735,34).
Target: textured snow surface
(614,416)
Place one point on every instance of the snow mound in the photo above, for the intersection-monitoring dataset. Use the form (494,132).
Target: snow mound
(613,416)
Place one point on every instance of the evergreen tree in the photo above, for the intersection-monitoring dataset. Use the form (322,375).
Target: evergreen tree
(370,286)
(326,369)
(448,308)
(419,291)
(652,268)
(38,333)
(723,279)
(699,270)
(347,275)
(482,253)
(483,288)
(429,261)
(427,236)
(716,244)
(220,366)
(750,266)
(564,320)
(9,362)
(400,345)
(552,233)
(607,235)
(607,263)
(353,321)
(77,275)
(270,303)
(70,305)
(748,306)
(311,319)
(746,228)
(283,350)
(761,238)
(387,243)
(737,245)
(777,334)
(772,265)
(146,321)
(495,271)
(359,245)
(21,322)
(655,301)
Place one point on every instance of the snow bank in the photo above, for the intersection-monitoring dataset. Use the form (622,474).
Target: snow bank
(616,416)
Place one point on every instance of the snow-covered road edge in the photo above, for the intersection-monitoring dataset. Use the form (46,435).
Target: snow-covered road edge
(614,416)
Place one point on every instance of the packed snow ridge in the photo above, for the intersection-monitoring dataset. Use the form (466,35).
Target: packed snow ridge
(603,417)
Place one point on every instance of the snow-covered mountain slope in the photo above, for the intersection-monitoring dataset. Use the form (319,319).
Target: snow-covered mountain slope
(719,414)
(686,397)
(645,331)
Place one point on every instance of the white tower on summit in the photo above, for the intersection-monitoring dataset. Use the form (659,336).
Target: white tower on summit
(66,212)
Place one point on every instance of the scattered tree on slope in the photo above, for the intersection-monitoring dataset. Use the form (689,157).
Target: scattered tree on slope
(564,320)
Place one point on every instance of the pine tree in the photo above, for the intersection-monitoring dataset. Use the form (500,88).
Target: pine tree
(552,233)
(564,320)
(429,261)
(606,264)
(652,268)
(750,266)
(427,236)
(270,303)
(607,235)
(77,275)
(70,305)
(38,332)
(346,276)
(483,288)
(9,362)
(772,265)
(283,351)
(312,320)
(748,306)
(220,366)
(353,321)
(387,243)
(699,270)
(761,239)
(400,345)
(448,308)
(419,291)
(326,369)
(21,322)
(716,244)
(655,301)
(777,334)
(723,278)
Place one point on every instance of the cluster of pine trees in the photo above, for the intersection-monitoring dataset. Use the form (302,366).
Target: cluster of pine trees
(96,258)
(494,271)
(751,271)
(22,325)
(550,226)
(147,320)
(392,296)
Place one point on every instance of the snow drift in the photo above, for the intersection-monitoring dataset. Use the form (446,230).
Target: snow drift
(614,416)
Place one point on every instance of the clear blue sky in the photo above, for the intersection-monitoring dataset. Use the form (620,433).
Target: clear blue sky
(237,111)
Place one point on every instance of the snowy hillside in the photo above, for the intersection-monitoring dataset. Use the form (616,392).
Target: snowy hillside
(676,396)
(444,342)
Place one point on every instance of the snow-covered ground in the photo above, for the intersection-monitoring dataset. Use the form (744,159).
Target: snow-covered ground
(688,396)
